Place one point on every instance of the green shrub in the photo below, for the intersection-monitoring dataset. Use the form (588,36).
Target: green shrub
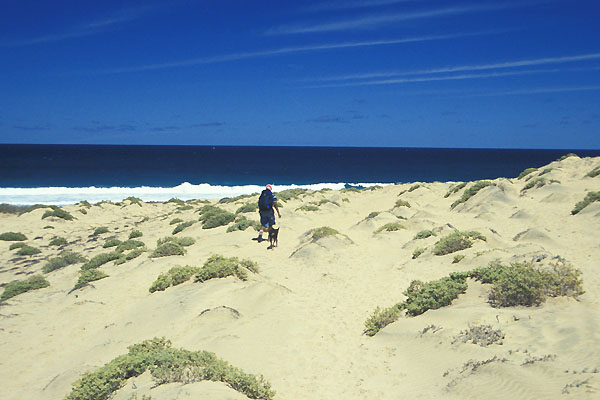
(168,249)
(380,319)
(227,200)
(350,189)
(87,276)
(593,173)
(58,241)
(432,295)
(135,234)
(185,208)
(11,209)
(176,201)
(402,203)
(16,245)
(111,243)
(173,277)
(458,258)
(526,172)
(48,227)
(64,259)
(218,266)
(414,187)
(15,288)
(28,209)
(471,191)
(418,251)
(455,189)
(562,279)
(488,274)
(324,231)
(424,234)
(545,171)
(134,200)
(129,245)
(242,223)
(59,213)
(372,215)
(213,217)
(182,226)
(390,227)
(85,203)
(28,251)
(455,242)
(100,230)
(12,236)
(182,241)
(589,198)
(175,221)
(537,183)
(248,207)
(518,284)
(289,194)
(567,156)
(166,365)
(100,259)
(308,207)
(83,211)
(129,256)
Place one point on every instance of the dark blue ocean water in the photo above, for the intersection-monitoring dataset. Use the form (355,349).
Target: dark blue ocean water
(28,166)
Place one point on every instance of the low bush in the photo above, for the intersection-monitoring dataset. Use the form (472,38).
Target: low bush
(289,194)
(567,156)
(12,236)
(457,258)
(182,241)
(380,319)
(87,276)
(27,250)
(455,189)
(390,227)
(176,201)
(100,230)
(534,183)
(350,189)
(129,256)
(308,207)
(174,276)
(175,221)
(248,207)
(11,209)
(134,200)
(27,209)
(15,288)
(372,215)
(85,203)
(471,191)
(226,200)
(418,251)
(589,199)
(182,226)
(185,208)
(526,172)
(59,213)
(111,243)
(58,241)
(166,365)
(545,171)
(100,259)
(64,259)
(242,223)
(16,245)
(324,231)
(48,227)
(432,295)
(424,234)
(218,266)
(414,187)
(212,217)
(593,173)
(129,245)
(455,242)
(168,249)
(482,335)
(135,234)
(402,203)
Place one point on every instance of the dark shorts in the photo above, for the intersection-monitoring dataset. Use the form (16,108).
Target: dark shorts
(267,218)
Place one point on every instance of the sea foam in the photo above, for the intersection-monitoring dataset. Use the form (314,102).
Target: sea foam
(185,191)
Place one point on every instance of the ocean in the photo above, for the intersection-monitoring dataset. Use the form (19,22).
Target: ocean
(67,174)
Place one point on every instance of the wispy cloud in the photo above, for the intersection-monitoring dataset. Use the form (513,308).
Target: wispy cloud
(376,20)
(291,50)
(345,5)
(87,29)
(473,67)
(540,91)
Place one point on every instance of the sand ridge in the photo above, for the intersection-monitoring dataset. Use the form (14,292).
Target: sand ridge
(299,322)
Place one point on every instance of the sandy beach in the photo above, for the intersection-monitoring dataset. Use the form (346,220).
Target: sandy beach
(300,321)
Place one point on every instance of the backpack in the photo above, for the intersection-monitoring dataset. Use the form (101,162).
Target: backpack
(265,201)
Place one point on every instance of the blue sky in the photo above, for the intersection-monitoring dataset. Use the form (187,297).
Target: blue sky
(402,73)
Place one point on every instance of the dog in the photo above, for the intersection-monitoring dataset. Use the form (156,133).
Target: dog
(273,234)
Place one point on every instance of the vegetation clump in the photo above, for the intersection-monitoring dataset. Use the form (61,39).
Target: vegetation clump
(545,171)
(176,201)
(414,187)
(134,200)
(175,221)
(11,209)
(129,245)
(59,213)
(212,217)
(319,233)
(593,173)
(100,230)
(402,203)
(166,365)
(168,249)
(58,241)
(12,236)
(381,318)
(536,183)
(455,242)
(248,207)
(218,266)
(418,251)
(173,277)
(16,245)
(567,156)
(64,259)
(482,335)
(526,172)
(135,234)
(372,215)
(182,241)
(589,199)
(226,200)
(390,227)
(424,234)
(100,260)
(87,276)
(458,258)
(242,223)
(289,194)
(129,256)
(111,243)
(15,288)
(182,226)
(187,207)
(471,191)
(308,207)
(27,250)
(455,189)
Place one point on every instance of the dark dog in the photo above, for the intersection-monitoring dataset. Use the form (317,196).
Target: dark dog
(273,234)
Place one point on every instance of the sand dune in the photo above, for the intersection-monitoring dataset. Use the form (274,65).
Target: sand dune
(299,321)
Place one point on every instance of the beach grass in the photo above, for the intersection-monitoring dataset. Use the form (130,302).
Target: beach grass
(87,276)
(424,234)
(180,227)
(174,276)
(470,192)
(455,242)
(390,227)
(589,199)
(15,288)
(64,259)
(218,266)
(58,213)
(100,259)
(213,217)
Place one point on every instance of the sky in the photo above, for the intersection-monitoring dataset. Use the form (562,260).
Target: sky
(382,73)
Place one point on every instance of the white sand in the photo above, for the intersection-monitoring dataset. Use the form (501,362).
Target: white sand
(300,321)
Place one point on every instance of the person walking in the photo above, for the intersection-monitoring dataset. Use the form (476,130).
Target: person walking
(267,205)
